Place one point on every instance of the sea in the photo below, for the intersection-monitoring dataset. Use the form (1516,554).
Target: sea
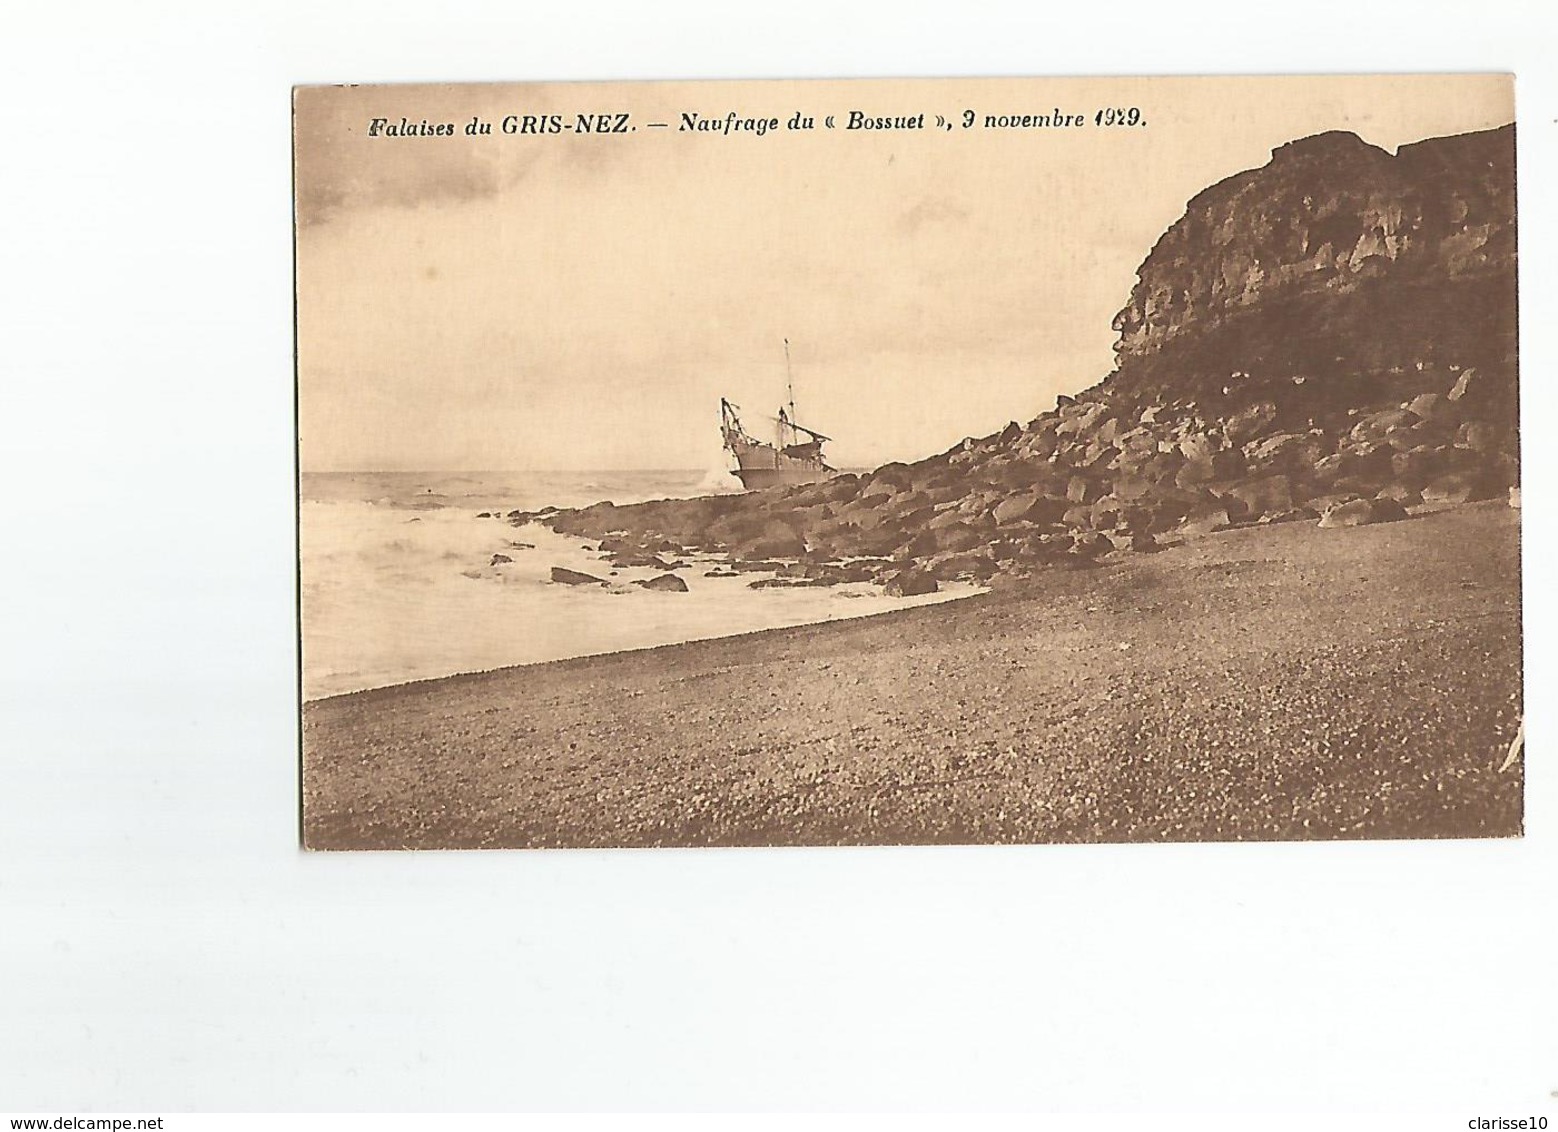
(401,580)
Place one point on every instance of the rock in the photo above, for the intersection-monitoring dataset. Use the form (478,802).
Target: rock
(910,583)
(1078,418)
(1404,439)
(1199,448)
(786,545)
(1417,466)
(1136,446)
(1366,461)
(1329,469)
(1205,518)
(665,583)
(575,578)
(1376,425)
(896,474)
(636,559)
(1107,513)
(1137,541)
(1478,436)
(1466,383)
(1081,489)
(1132,487)
(1323,503)
(1222,465)
(1269,495)
(1097,457)
(948,566)
(1041,445)
(1460,487)
(959,537)
(1090,546)
(1250,422)
(1362,512)
(1296,515)
(1430,406)
(1034,507)
(1288,451)
(1402,494)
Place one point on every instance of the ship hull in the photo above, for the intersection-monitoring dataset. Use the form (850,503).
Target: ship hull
(762,465)
(757,478)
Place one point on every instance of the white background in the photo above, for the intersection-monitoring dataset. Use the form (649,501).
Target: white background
(164,946)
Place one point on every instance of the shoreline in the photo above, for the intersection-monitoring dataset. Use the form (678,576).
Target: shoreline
(1253,683)
(479,599)
(637,650)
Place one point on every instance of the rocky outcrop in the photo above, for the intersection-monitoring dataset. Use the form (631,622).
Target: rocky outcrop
(1336,261)
(1329,338)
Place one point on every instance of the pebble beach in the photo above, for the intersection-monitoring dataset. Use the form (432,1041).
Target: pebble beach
(1271,682)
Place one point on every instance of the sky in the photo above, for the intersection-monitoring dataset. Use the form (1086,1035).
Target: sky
(513,301)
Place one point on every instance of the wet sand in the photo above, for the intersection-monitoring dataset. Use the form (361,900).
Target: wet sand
(1265,683)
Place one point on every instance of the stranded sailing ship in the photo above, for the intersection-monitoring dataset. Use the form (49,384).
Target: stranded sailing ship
(790,459)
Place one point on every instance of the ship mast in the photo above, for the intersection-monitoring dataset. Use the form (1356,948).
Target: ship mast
(789,385)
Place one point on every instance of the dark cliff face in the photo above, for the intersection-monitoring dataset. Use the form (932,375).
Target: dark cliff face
(1333,258)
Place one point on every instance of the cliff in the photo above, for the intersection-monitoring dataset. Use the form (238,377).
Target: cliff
(1333,259)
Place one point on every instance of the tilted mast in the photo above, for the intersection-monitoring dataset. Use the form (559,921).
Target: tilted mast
(789,385)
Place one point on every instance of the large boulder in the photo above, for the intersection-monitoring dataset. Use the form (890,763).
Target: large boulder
(1205,518)
(1461,487)
(1362,512)
(961,537)
(1083,489)
(1269,495)
(1470,382)
(960,565)
(1434,408)
(1374,426)
(1478,436)
(778,543)
(1032,507)
(910,582)
(1288,451)
(1222,465)
(1417,466)
(1078,418)
(665,583)
(1402,493)
(567,577)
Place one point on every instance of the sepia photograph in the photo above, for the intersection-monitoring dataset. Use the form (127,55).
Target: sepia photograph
(891,462)
(673,560)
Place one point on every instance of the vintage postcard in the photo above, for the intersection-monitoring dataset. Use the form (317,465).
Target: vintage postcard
(904,462)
